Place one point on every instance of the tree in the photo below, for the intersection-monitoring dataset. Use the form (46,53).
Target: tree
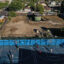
(16,5)
(32,5)
(62,7)
(40,8)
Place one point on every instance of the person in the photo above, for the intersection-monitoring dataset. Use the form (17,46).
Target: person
(16,44)
(51,50)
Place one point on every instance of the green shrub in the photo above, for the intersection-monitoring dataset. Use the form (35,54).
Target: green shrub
(9,18)
(12,14)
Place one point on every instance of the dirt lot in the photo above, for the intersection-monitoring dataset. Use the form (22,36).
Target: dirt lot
(21,27)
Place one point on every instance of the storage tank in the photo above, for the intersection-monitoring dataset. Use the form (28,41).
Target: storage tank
(37,17)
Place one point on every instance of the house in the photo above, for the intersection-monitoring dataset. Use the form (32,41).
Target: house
(47,9)
(26,10)
(52,3)
(43,3)
(3,13)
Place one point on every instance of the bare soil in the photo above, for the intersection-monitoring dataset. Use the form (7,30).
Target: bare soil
(20,26)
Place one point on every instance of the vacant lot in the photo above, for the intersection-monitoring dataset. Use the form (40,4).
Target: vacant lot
(18,26)
(21,26)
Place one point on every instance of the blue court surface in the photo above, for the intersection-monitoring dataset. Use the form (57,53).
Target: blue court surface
(32,41)
(27,54)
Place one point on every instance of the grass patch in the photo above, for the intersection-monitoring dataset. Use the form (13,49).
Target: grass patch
(1,24)
(3,5)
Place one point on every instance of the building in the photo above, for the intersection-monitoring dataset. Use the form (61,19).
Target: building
(47,9)
(52,4)
(43,3)
(26,10)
